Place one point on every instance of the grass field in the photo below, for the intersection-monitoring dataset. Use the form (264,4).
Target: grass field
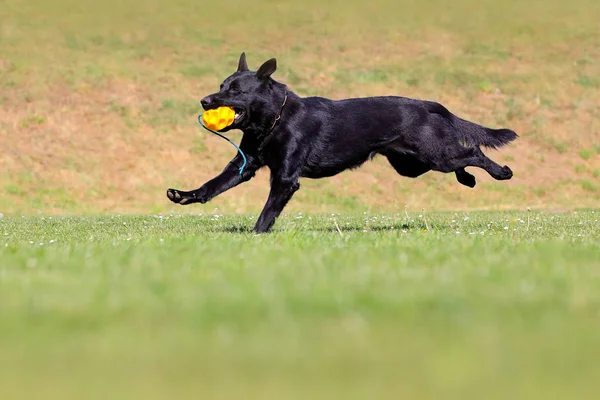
(421,306)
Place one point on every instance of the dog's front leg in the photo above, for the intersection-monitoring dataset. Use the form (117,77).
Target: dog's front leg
(282,190)
(229,178)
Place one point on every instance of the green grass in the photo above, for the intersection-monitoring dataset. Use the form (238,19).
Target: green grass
(586,154)
(453,306)
(590,185)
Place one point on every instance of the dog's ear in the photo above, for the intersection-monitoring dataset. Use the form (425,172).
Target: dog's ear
(267,69)
(242,64)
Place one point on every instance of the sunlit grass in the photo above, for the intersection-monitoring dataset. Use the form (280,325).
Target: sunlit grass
(417,305)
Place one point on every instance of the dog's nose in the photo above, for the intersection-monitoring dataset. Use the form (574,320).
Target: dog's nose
(206,102)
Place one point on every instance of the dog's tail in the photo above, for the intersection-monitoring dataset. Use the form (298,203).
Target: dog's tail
(471,133)
(475,134)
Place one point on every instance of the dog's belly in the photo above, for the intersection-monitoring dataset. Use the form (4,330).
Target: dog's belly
(323,168)
(316,173)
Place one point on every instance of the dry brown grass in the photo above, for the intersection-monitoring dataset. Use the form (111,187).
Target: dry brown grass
(100,117)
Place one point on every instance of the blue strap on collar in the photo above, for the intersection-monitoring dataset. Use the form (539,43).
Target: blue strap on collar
(224,137)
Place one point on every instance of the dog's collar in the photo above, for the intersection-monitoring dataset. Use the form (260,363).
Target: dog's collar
(267,136)
(279,115)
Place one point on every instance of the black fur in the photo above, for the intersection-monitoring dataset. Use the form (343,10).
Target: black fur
(314,137)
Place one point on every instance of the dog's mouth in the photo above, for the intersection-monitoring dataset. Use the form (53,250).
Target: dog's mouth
(240,113)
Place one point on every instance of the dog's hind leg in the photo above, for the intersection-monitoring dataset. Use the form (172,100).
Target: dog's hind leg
(406,165)
(472,157)
(465,178)
(497,171)
(410,166)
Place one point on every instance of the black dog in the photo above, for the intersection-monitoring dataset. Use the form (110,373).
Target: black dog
(314,137)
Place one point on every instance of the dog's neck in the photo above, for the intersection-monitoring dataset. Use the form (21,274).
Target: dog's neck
(266,124)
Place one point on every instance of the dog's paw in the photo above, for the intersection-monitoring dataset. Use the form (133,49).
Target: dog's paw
(506,173)
(466,179)
(179,197)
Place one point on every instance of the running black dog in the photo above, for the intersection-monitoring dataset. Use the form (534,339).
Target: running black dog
(314,137)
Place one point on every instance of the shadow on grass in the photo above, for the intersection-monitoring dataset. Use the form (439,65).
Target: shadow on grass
(377,228)
(238,229)
(234,229)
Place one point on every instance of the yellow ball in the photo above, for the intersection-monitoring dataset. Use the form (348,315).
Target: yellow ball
(219,118)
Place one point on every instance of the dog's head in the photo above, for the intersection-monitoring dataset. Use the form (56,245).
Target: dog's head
(247,92)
